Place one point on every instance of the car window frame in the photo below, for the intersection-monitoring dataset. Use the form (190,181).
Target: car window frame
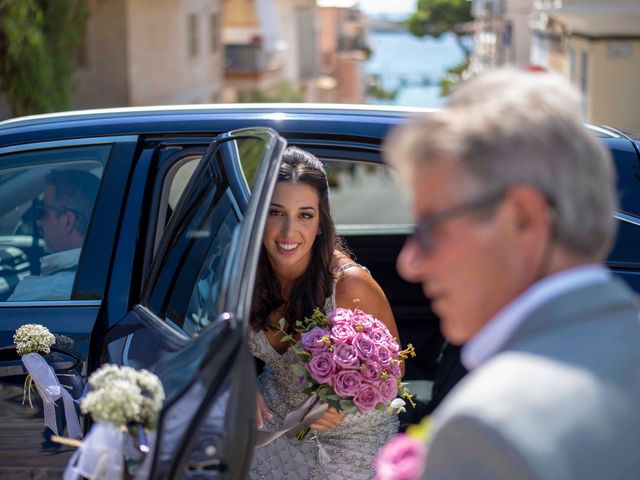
(119,159)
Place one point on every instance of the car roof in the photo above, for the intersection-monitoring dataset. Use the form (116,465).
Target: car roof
(263,108)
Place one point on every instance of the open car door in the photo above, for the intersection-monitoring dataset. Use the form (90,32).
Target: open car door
(190,327)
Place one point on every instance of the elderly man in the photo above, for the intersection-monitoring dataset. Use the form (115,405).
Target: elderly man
(63,217)
(513,200)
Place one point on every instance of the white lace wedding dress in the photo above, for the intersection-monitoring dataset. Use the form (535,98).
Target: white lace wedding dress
(344,452)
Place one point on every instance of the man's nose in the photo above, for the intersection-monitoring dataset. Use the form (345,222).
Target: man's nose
(410,263)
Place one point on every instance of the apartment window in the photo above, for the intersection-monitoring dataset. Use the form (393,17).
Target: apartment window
(214,32)
(192,31)
(584,71)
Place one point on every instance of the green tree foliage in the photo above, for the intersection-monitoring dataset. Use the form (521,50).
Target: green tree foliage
(435,17)
(281,92)
(39,45)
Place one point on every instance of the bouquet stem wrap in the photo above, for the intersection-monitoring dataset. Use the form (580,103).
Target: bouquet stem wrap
(50,390)
(295,421)
(101,455)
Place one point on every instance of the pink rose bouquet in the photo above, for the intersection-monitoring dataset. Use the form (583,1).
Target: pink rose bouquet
(350,361)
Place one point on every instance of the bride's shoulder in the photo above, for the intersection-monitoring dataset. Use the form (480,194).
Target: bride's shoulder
(339,261)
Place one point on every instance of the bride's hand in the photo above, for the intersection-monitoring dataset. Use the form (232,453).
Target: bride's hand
(262,411)
(331,419)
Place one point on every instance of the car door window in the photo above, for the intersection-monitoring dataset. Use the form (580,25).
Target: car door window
(46,205)
(366,197)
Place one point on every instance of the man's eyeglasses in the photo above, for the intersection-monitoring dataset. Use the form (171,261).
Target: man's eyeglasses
(423,231)
(40,210)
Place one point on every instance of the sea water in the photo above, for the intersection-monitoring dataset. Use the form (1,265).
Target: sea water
(412,65)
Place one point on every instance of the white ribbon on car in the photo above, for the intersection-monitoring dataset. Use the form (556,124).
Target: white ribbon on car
(295,421)
(100,456)
(50,390)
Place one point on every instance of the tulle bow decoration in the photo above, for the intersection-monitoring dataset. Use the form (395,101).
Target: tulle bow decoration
(30,340)
(46,382)
(123,402)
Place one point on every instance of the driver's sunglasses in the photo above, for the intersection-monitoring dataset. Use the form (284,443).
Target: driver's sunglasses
(423,231)
(40,210)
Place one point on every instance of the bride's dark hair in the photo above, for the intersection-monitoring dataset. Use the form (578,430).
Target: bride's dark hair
(314,285)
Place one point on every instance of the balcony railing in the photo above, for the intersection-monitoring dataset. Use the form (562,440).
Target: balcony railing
(245,58)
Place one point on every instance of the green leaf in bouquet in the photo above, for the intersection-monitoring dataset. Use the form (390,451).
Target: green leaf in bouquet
(281,323)
(333,397)
(334,404)
(286,338)
(299,369)
(380,407)
(347,406)
(309,390)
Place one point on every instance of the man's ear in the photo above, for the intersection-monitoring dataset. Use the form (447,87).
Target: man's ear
(69,220)
(530,209)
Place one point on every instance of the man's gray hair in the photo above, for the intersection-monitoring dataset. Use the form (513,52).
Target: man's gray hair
(75,190)
(510,127)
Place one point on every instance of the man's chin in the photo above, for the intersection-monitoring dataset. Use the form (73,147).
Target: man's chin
(453,335)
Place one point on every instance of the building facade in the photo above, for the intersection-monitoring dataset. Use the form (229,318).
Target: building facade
(502,35)
(151,52)
(596,45)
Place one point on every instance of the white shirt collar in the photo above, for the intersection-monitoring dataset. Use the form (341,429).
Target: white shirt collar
(59,261)
(495,334)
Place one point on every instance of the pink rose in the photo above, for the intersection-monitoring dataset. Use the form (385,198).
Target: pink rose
(393,345)
(345,356)
(389,389)
(402,458)
(362,321)
(339,315)
(311,340)
(396,371)
(379,336)
(366,348)
(347,383)
(371,371)
(384,354)
(367,398)
(342,332)
(321,367)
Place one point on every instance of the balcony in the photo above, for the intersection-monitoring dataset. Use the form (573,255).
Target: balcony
(245,58)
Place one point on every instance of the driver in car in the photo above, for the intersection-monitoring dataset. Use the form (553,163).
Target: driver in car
(63,215)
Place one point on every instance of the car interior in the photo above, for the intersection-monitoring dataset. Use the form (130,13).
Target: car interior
(21,189)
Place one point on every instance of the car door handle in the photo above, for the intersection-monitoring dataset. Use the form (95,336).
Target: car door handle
(12,366)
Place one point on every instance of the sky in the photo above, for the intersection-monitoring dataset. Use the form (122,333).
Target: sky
(376,7)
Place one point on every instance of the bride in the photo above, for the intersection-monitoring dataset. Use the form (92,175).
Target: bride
(303,266)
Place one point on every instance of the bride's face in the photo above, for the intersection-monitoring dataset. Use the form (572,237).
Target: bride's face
(292,226)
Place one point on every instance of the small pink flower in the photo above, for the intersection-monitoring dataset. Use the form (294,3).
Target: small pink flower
(321,367)
(367,398)
(342,332)
(384,354)
(311,340)
(366,348)
(371,371)
(346,356)
(389,389)
(402,458)
(347,383)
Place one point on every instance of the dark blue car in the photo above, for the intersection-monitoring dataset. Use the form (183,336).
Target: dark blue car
(161,273)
